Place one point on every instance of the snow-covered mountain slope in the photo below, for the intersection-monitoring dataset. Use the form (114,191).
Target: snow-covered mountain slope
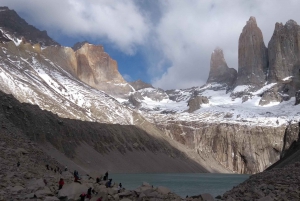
(33,78)
(222,106)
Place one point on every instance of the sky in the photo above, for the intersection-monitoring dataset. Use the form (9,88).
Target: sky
(167,43)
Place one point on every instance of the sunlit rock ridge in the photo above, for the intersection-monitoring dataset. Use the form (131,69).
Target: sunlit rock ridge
(238,119)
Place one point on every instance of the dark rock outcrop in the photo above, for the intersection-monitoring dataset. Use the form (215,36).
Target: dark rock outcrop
(139,84)
(196,102)
(219,71)
(284,57)
(253,56)
(297,96)
(3,37)
(270,96)
(12,23)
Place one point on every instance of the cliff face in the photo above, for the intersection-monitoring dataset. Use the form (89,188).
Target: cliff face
(284,57)
(253,56)
(92,65)
(240,148)
(96,68)
(219,71)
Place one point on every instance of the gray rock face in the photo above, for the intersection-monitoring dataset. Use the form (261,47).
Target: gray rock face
(196,102)
(284,55)
(139,84)
(270,96)
(253,56)
(241,148)
(219,71)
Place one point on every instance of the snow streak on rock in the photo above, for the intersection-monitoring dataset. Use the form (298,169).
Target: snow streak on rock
(32,78)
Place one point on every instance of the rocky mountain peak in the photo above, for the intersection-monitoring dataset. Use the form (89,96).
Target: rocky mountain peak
(253,56)
(16,27)
(79,45)
(139,84)
(219,71)
(252,21)
(284,51)
(291,23)
(96,68)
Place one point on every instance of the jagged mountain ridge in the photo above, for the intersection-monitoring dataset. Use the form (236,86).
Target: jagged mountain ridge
(232,114)
(239,108)
(17,28)
(48,76)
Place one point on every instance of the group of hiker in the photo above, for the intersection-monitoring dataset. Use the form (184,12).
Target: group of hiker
(90,191)
(54,169)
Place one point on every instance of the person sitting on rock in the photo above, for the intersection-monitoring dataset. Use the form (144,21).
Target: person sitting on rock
(119,187)
(108,183)
(60,183)
(82,196)
(66,168)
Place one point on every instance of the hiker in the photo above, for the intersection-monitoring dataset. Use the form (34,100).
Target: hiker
(18,163)
(45,182)
(60,183)
(66,168)
(47,166)
(97,180)
(76,177)
(105,176)
(82,196)
(119,187)
(89,193)
(108,183)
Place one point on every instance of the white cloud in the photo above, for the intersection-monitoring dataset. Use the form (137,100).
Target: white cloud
(117,20)
(176,36)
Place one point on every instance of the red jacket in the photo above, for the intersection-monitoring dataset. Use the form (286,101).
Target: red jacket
(61,182)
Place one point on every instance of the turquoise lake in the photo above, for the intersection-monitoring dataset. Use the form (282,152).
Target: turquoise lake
(183,184)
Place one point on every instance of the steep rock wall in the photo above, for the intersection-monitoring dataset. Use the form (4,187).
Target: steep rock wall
(284,57)
(241,148)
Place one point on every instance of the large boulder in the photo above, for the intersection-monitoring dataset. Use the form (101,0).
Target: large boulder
(35,184)
(219,71)
(43,193)
(163,190)
(253,56)
(73,190)
(196,102)
(269,97)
